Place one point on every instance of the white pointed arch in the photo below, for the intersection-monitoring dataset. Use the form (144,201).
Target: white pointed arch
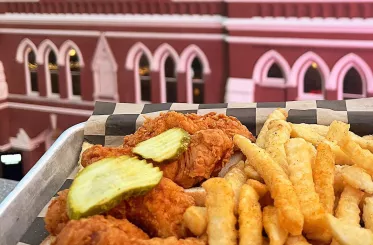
(135,50)
(22,48)
(187,56)
(64,50)
(264,63)
(341,68)
(158,65)
(299,70)
(43,48)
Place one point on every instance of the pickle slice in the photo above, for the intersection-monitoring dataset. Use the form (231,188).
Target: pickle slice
(105,183)
(168,145)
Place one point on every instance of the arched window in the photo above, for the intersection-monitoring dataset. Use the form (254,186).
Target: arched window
(313,80)
(74,67)
(33,70)
(353,85)
(171,83)
(52,67)
(275,71)
(144,73)
(197,80)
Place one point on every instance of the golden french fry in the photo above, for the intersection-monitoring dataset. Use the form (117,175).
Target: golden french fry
(278,183)
(234,162)
(339,184)
(276,114)
(368,213)
(221,226)
(199,195)
(301,155)
(297,240)
(337,131)
(360,157)
(250,217)
(348,234)
(251,173)
(323,176)
(236,178)
(358,178)
(368,137)
(348,205)
(259,187)
(195,219)
(277,235)
(278,134)
(364,142)
(314,138)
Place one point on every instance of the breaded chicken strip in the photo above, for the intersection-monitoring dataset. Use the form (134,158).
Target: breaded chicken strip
(191,123)
(98,152)
(56,217)
(159,212)
(98,230)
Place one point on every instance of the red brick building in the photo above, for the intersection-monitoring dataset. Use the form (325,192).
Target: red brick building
(59,56)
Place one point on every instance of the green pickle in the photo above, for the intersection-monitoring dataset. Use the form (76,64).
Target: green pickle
(169,145)
(105,183)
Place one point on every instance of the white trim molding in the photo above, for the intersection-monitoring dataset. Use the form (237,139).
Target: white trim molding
(44,48)
(105,67)
(301,42)
(51,100)
(23,142)
(303,24)
(239,90)
(131,20)
(262,66)
(64,51)
(50,109)
(3,84)
(299,70)
(341,68)
(158,65)
(5,147)
(22,48)
(297,1)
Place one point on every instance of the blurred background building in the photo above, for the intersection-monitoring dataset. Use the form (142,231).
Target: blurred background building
(58,56)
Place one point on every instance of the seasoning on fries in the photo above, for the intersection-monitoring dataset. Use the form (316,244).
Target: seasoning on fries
(277,235)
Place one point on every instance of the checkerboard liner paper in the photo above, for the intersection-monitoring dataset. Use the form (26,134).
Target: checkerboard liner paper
(111,121)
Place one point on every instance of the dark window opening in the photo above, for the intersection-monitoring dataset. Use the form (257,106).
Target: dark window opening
(144,73)
(352,84)
(53,70)
(171,83)
(312,81)
(198,84)
(33,71)
(11,165)
(275,71)
(75,72)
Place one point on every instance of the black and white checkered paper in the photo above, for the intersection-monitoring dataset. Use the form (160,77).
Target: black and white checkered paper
(110,122)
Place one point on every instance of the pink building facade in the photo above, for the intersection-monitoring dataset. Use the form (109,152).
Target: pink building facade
(59,56)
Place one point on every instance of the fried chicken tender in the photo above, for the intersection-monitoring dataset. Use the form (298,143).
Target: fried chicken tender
(160,212)
(98,230)
(191,123)
(56,217)
(98,152)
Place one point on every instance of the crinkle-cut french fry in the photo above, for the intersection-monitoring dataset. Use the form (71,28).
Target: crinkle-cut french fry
(278,183)
(297,240)
(277,235)
(278,134)
(339,184)
(360,157)
(259,187)
(199,195)
(314,138)
(337,130)
(236,178)
(347,234)
(348,205)
(276,114)
(251,173)
(301,155)
(250,217)
(368,213)
(195,219)
(358,178)
(221,226)
(323,176)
